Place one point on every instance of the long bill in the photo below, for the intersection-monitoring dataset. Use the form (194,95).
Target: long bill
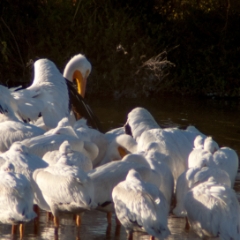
(81,82)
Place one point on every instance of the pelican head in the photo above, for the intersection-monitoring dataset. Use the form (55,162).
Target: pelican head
(78,69)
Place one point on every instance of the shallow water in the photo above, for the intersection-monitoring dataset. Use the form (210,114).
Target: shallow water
(218,118)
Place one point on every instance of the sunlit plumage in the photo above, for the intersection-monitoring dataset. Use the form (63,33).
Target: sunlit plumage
(193,176)
(65,188)
(140,206)
(139,120)
(211,155)
(11,128)
(46,97)
(16,197)
(213,210)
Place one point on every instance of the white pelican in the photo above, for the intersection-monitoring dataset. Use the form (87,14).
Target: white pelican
(78,68)
(166,180)
(224,158)
(25,163)
(16,198)
(11,128)
(213,210)
(125,144)
(138,121)
(196,175)
(50,96)
(66,189)
(52,140)
(140,206)
(107,176)
(46,97)
(73,157)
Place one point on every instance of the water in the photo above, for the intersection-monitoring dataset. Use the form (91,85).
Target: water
(218,118)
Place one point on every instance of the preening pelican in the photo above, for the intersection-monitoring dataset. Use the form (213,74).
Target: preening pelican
(11,128)
(74,158)
(66,189)
(50,96)
(107,176)
(78,69)
(193,176)
(213,210)
(224,158)
(15,207)
(140,206)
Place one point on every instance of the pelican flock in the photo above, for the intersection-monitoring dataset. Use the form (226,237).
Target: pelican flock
(52,157)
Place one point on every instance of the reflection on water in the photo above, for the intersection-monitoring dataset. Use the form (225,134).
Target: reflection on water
(219,119)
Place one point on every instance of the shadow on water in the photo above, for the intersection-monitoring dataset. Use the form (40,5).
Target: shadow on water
(218,118)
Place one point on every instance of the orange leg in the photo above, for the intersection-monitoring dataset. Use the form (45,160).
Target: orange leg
(21,230)
(78,220)
(14,229)
(56,222)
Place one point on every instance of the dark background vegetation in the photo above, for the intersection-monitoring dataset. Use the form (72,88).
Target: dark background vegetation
(123,40)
